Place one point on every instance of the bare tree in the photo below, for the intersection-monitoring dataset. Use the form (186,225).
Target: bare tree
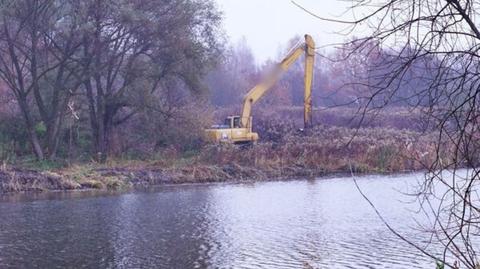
(233,76)
(444,36)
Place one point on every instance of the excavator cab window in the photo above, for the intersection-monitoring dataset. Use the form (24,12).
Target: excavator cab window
(236,122)
(228,123)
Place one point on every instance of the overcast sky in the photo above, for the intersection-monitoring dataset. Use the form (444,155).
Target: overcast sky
(266,24)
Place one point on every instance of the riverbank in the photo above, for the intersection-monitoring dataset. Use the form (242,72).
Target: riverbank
(18,180)
(321,152)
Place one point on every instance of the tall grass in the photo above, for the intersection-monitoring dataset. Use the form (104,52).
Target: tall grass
(331,149)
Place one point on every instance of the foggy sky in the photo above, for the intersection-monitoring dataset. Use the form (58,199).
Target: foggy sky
(267,24)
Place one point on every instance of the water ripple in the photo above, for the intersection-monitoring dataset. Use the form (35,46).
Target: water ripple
(301,224)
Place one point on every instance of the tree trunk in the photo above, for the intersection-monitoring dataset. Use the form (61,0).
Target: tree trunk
(96,107)
(34,141)
(53,137)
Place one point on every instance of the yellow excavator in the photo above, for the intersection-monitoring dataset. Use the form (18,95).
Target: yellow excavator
(238,129)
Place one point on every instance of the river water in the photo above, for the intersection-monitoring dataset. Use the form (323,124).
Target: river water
(323,223)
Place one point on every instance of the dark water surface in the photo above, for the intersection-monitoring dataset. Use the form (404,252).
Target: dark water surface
(323,223)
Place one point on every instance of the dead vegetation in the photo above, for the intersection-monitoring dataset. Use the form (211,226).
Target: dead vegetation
(334,146)
(332,149)
(321,151)
(21,180)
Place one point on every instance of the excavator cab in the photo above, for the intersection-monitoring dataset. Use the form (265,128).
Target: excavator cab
(231,131)
(232,122)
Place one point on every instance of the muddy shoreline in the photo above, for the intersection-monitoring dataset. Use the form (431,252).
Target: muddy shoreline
(20,180)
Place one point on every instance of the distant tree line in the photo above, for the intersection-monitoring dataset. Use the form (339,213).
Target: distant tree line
(344,76)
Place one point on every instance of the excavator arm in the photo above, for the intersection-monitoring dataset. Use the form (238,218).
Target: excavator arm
(259,90)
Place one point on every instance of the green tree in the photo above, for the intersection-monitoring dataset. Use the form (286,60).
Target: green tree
(37,41)
(110,58)
(131,49)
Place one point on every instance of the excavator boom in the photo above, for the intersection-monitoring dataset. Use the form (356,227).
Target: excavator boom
(309,63)
(308,48)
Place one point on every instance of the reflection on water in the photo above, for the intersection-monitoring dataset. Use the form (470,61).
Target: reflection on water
(322,223)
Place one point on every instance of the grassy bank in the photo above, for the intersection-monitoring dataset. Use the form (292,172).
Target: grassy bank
(322,151)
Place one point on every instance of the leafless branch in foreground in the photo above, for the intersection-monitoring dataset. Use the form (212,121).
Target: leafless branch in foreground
(437,42)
